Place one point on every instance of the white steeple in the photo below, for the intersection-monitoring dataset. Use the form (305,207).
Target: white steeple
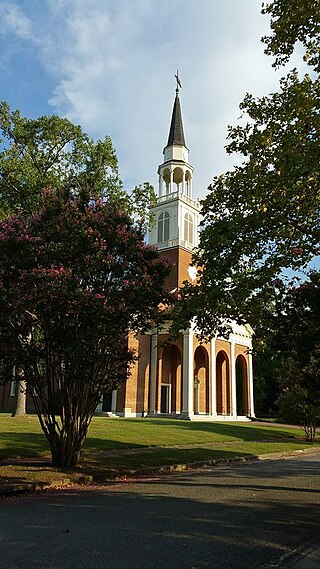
(176,213)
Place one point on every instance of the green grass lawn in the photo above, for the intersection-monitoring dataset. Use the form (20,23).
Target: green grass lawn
(22,437)
(124,445)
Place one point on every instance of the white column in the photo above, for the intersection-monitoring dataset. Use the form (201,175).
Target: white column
(251,410)
(196,230)
(180,224)
(171,182)
(213,377)
(160,185)
(183,189)
(153,374)
(187,375)
(233,380)
(114,401)
(190,187)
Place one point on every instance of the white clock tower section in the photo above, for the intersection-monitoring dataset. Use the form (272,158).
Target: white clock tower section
(176,212)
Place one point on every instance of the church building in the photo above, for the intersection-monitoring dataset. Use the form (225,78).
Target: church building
(184,379)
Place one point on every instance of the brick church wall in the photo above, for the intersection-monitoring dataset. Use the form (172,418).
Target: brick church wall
(136,388)
(184,264)
(180,261)
(8,402)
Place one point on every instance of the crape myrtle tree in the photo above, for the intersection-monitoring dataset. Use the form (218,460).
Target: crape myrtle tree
(262,217)
(76,277)
(50,151)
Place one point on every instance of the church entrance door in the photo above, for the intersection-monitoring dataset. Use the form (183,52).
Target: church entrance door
(106,404)
(165,404)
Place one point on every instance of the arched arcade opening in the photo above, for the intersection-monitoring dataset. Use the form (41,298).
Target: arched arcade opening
(242,386)
(170,380)
(201,394)
(223,386)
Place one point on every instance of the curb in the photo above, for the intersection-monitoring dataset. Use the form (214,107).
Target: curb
(116,476)
(65,481)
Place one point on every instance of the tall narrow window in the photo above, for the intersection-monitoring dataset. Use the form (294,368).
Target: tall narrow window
(13,388)
(189,228)
(163,226)
(13,385)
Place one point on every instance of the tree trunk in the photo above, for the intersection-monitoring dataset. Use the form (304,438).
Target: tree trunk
(66,446)
(65,427)
(309,428)
(21,398)
(64,452)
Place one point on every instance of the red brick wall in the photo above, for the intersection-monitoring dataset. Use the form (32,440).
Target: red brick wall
(172,255)
(184,263)
(137,386)
(8,403)
(180,260)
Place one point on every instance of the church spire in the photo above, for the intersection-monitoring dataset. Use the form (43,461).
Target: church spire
(176,212)
(176,133)
(175,173)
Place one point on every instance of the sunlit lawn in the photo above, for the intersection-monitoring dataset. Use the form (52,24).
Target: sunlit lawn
(157,443)
(23,437)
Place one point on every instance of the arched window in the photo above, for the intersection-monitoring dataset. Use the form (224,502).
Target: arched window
(163,226)
(188,228)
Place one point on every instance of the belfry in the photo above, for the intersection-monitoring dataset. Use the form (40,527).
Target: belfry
(176,212)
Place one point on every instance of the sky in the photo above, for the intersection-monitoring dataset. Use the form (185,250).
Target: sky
(109,66)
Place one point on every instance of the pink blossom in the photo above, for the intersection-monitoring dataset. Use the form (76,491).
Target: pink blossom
(99,296)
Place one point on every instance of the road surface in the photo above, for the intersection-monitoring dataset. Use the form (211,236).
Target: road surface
(236,517)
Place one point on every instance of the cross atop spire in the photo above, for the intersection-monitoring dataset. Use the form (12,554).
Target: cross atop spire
(176,134)
(178,81)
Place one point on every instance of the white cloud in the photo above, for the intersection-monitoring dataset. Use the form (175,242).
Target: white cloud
(112,63)
(14,21)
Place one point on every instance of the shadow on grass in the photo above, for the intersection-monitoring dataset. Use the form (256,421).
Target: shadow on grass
(26,471)
(30,444)
(97,444)
(35,445)
(159,458)
(24,445)
(247,432)
(146,462)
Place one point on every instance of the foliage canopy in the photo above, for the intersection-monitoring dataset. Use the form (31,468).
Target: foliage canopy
(76,277)
(262,217)
(52,152)
(296,340)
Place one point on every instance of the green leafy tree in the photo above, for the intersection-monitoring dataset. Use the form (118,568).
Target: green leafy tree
(50,151)
(266,375)
(298,333)
(76,277)
(262,218)
(291,23)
